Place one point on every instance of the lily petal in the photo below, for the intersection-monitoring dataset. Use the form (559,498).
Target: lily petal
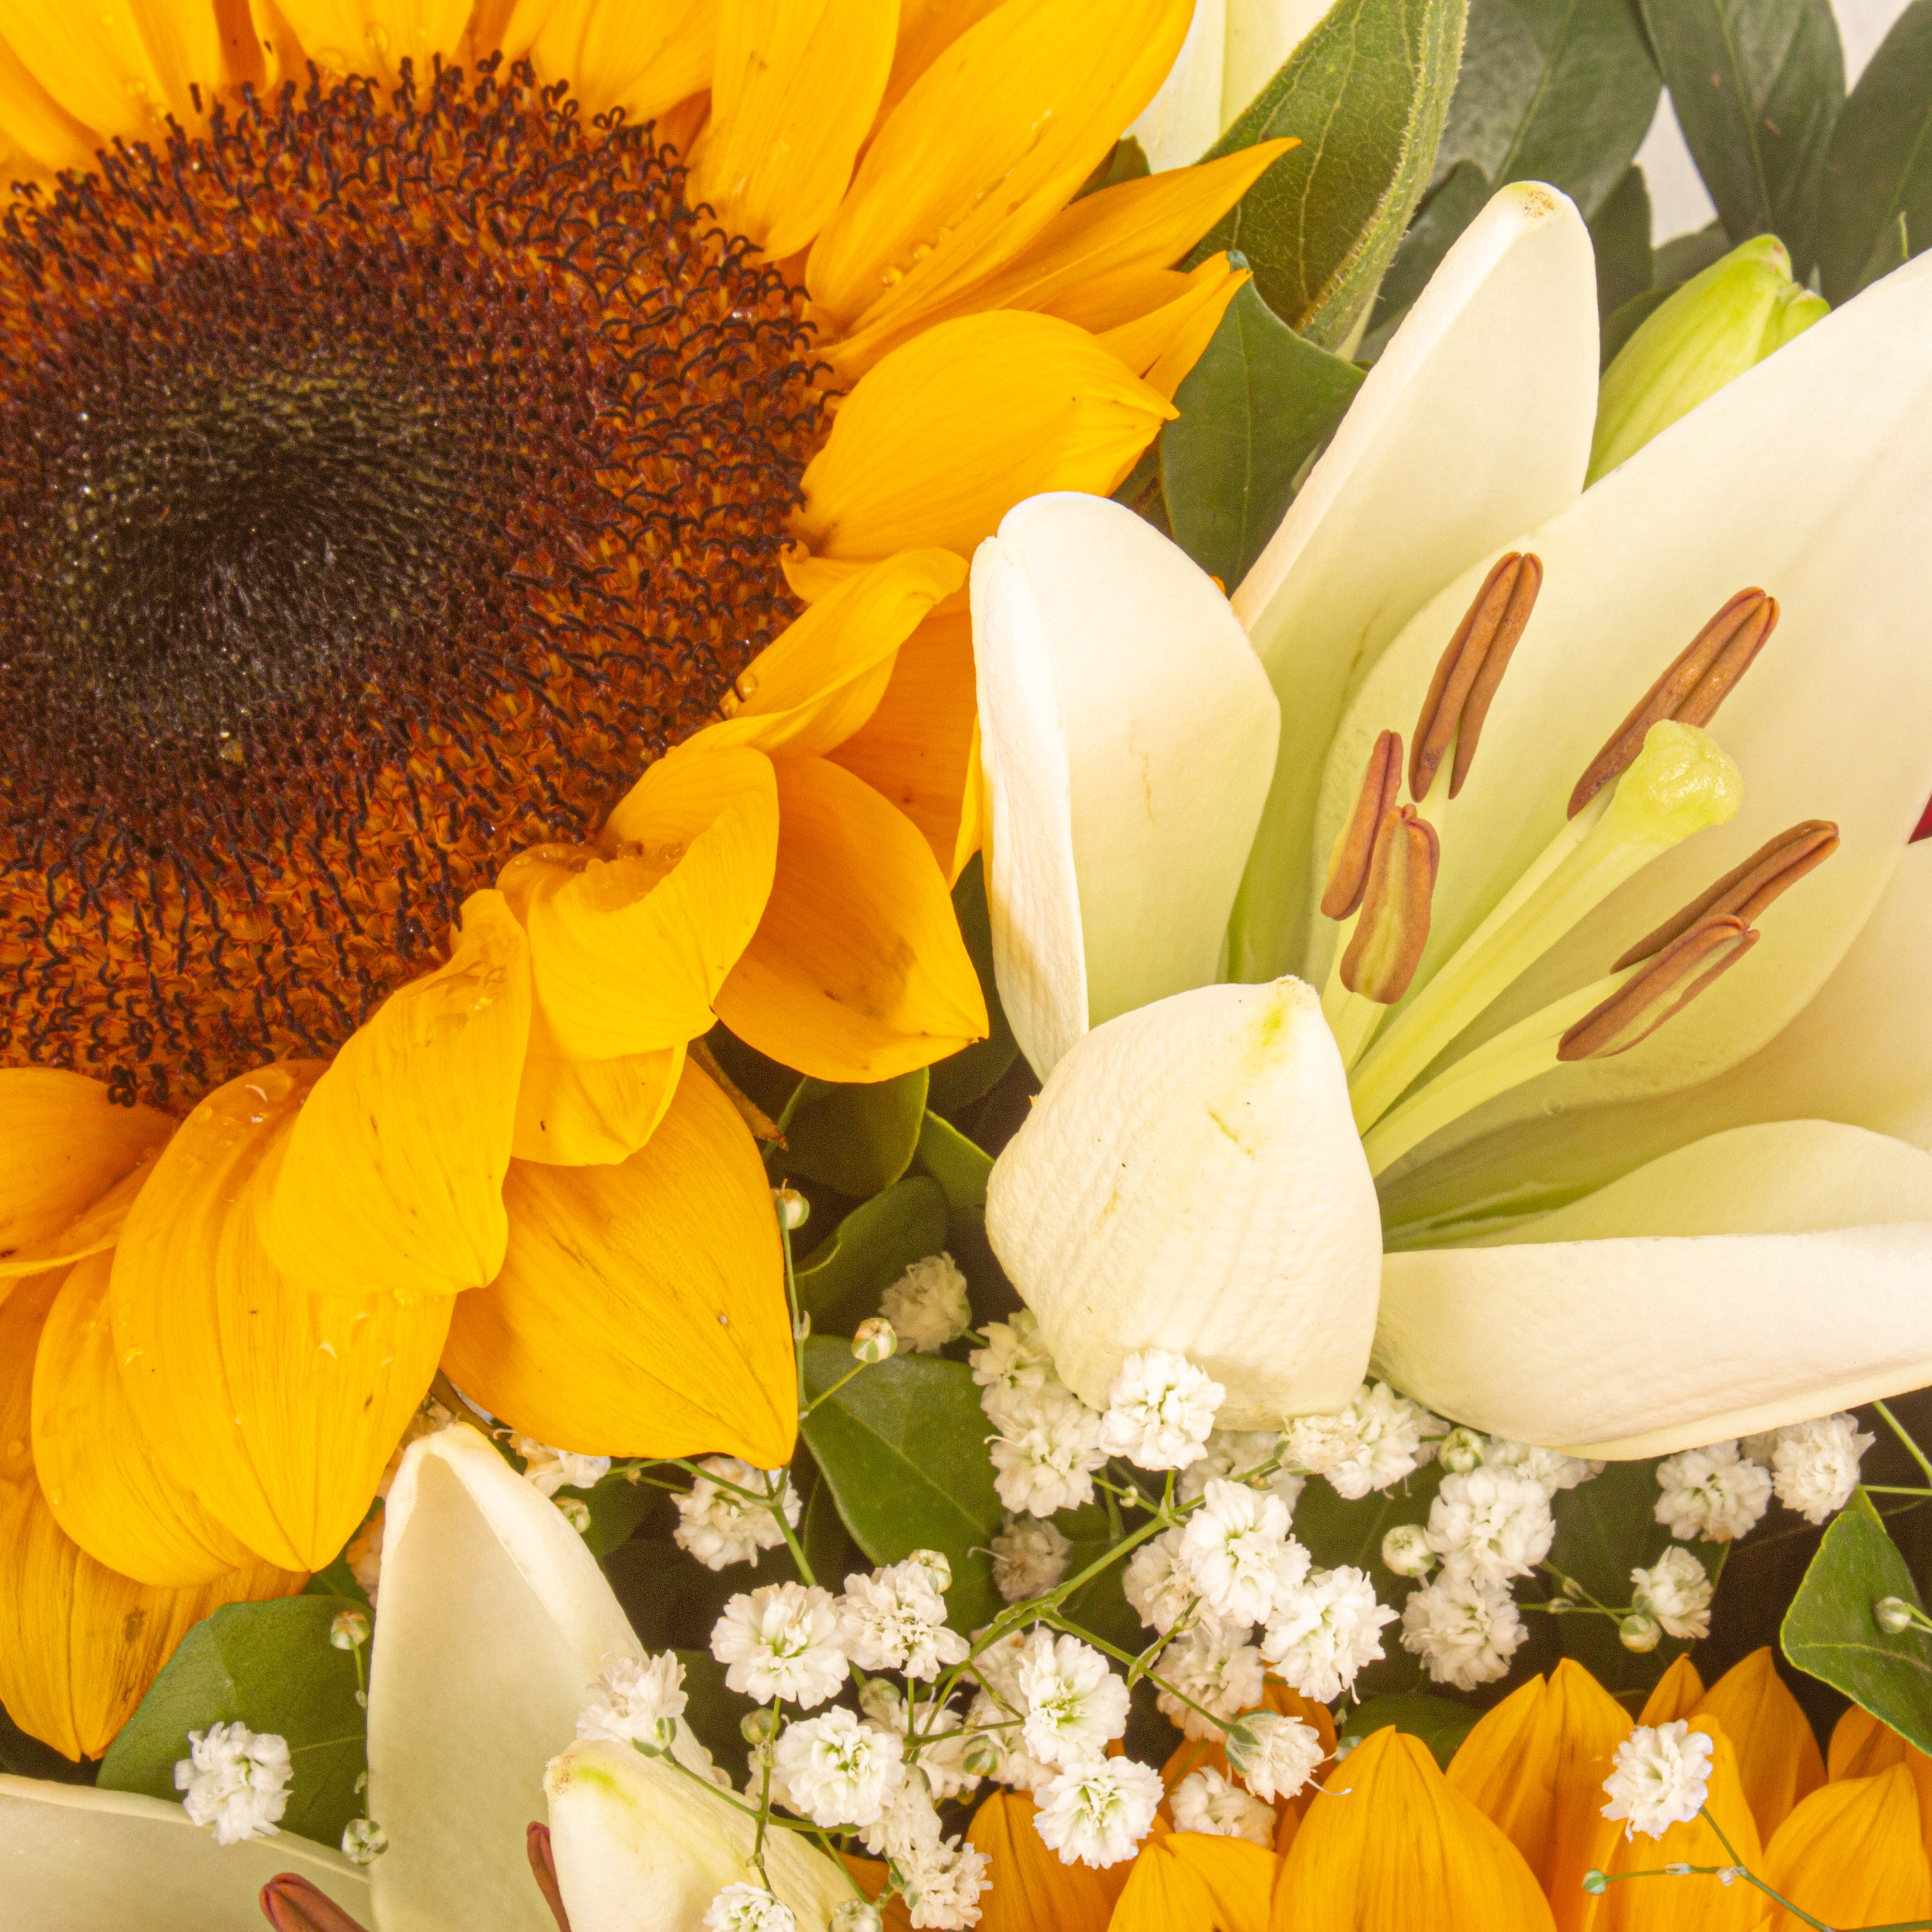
(1792,1262)
(643,1847)
(1188,1181)
(496,1620)
(75,1859)
(1112,675)
(1490,380)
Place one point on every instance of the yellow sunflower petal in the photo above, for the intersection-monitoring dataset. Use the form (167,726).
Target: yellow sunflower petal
(92,1231)
(916,750)
(953,428)
(1862,1747)
(1127,234)
(927,28)
(1777,1754)
(278,1407)
(376,37)
(136,61)
(1031,1889)
(1162,347)
(1182,1880)
(1535,1765)
(793,93)
(819,681)
(857,970)
(641,1308)
(1677,1693)
(37,136)
(1852,1853)
(79,1644)
(580,1113)
(63,1144)
(394,1173)
(986,147)
(1110,301)
(628,952)
(99,1476)
(1690,1904)
(643,59)
(1402,1850)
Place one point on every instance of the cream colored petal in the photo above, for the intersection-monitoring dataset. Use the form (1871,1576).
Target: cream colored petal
(495,1621)
(1474,424)
(1810,475)
(74,1859)
(1754,1278)
(1189,1180)
(1183,120)
(1261,35)
(642,1847)
(1113,679)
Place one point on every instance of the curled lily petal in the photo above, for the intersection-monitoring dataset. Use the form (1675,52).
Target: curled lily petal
(1188,1180)
(1793,1258)
(1112,675)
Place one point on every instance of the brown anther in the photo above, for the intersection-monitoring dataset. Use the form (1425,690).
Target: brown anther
(543,1869)
(1349,861)
(291,1904)
(1663,989)
(1702,675)
(1387,945)
(1773,869)
(1466,678)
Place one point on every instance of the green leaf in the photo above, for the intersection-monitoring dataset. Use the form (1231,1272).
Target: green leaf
(856,1139)
(1555,91)
(271,1666)
(23,1756)
(1620,234)
(902,1446)
(839,1284)
(1254,409)
(1829,1632)
(1439,1722)
(1453,204)
(959,1167)
(1365,93)
(1685,256)
(1757,86)
(1879,168)
(617,1505)
(715,1712)
(975,1070)
(1892,250)
(1127,160)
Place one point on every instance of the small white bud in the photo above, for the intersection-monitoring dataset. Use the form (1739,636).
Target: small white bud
(937,1565)
(1406,1550)
(350,1630)
(1460,1451)
(801,1328)
(576,1512)
(1638,1632)
(363,1841)
(983,1754)
(759,1727)
(794,1210)
(856,1915)
(874,1340)
(1893,1615)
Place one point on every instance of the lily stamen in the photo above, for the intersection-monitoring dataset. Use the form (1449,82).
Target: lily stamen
(1386,946)
(1772,870)
(1354,846)
(1697,681)
(1663,989)
(1470,670)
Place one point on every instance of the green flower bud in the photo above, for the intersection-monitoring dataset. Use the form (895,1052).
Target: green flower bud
(349,1630)
(794,1208)
(574,1511)
(1595,1883)
(759,1727)
(1710,331)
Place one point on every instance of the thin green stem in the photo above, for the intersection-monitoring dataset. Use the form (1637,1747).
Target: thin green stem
(791,1301)
(1899,1430)
(1136,1664)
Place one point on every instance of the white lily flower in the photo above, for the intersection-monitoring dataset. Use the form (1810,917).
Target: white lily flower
(1619,1241)
(495,1622)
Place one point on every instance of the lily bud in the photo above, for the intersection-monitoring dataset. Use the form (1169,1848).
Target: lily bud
(1710,331)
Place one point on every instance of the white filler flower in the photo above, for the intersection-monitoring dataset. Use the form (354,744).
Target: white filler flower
(838,1771)
(1713,1493)
(718,1528)
(1490,1525)
(635,1703)
(1098,1812)
(1213,1669)
(927,1305)
(1464,1633)
(748,1908)
(1662,1773)
(1204,1800)
(1676,1590)
(1378,1439)
(1074,1703)
(1237,1550)
(1324,1631)
(236,1780)
(1160,1410)
(1029,1555)
(1275,1756)
(1814,1465)
(1047,1449)
(554,1469)
(781,1641)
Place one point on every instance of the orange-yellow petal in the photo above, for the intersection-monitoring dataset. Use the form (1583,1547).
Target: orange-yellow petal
(79,1644)
(627,952)
(1862,1746)
(135,62)
(794,91)
(63,1144)
(1401,1850)
(99,1476)
(1689,1903)
(1534,1765)
(641,1308)
(278,1407)
(37,136)
(1778,1755)
(916,750)
(1677,1693)
(820,680)
(986,147)
(394,1173)
(1032,1889)
(643,59)
(580,1113)
(1190,1882)
(927,28)
(1134,230)
(1852,1853)
(376,37)
(858,971)
(1162,347)
(952,429)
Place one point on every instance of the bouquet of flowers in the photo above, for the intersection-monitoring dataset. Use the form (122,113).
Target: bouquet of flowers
(957,965)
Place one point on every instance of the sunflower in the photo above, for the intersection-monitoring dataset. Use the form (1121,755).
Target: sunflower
(487,492)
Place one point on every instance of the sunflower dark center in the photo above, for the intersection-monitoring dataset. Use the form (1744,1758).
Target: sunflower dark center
(383,483)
